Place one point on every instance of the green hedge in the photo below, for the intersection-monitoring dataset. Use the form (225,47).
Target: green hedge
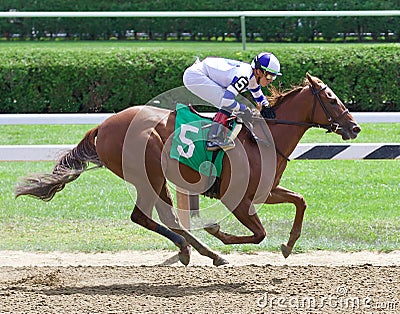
(107,80)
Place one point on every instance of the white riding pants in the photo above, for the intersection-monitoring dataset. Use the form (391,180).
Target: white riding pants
(196,80)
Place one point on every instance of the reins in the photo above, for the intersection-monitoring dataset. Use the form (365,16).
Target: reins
(331,127)
(288,122)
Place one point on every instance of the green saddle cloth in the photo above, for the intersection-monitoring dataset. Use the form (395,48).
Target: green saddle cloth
(189,143)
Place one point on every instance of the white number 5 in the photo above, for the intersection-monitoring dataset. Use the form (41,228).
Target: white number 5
(186,128)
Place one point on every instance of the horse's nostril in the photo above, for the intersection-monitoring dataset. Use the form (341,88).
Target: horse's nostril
(356,129)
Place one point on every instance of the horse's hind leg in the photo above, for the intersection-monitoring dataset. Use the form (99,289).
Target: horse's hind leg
(202,248)
(168,216)
(141,215)
(247,215)
(164,207)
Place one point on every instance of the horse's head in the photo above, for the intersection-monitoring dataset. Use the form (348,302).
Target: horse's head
(329,111)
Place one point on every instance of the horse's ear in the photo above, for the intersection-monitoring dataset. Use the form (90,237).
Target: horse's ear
(314,81)
(310,78)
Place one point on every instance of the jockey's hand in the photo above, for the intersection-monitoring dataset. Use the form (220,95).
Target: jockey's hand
(247,114)
(268,112)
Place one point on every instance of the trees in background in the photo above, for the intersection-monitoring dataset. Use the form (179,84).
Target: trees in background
(291,29)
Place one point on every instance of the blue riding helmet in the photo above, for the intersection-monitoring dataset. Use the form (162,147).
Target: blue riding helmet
(268,62)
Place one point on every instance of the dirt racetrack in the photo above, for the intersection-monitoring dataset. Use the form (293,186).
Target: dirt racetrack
(318,282)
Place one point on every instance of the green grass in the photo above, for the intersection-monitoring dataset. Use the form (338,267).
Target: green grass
(43,134)
(202,47)
(370,133)
(353,205)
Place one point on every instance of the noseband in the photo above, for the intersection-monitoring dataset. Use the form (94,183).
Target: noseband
(334,124)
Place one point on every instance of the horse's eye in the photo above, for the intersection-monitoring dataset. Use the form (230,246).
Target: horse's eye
(331,98)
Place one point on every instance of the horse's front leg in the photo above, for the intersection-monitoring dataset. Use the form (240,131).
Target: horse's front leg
(282,195)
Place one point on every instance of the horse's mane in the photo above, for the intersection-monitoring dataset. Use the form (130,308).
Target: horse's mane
(278,96)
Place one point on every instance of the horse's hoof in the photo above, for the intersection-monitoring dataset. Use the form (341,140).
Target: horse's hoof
(286,250)
(219,261)
(184,257)
(212,228)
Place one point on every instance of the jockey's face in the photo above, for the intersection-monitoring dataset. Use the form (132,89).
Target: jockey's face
(263,77)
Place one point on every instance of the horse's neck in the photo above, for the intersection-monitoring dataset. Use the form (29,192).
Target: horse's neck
(286,136)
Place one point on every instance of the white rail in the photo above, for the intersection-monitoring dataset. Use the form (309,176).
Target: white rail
(206,14)
(32,152)
(56,118)
(339,151)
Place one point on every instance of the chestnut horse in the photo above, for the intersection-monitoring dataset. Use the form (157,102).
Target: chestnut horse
(134,144)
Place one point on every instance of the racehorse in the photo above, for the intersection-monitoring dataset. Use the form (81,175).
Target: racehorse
(134,145)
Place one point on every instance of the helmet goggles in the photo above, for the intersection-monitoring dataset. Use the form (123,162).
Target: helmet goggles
(268,75)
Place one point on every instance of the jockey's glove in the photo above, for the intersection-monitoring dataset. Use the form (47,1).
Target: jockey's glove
(268,112)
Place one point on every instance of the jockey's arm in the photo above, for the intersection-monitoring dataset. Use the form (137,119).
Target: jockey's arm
(262,103)
(229,102)
(259,97)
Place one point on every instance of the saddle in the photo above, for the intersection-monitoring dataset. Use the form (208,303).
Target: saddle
(189,145)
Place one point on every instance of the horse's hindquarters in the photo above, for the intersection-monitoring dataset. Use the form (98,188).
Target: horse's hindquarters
(127,142)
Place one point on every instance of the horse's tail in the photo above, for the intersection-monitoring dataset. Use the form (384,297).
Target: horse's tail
(68,168)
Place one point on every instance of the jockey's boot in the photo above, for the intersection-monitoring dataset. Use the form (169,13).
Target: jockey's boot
(218,134)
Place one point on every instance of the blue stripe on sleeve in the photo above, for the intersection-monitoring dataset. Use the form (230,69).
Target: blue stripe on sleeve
(233,105)
(254,90)
(235,78)
(229,95)
(259,99)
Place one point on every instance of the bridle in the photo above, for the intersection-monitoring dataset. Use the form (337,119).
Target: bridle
(332,126)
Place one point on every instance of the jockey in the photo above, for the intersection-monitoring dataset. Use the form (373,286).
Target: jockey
(218,81)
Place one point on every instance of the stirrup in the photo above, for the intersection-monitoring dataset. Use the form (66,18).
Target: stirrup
(219,144)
